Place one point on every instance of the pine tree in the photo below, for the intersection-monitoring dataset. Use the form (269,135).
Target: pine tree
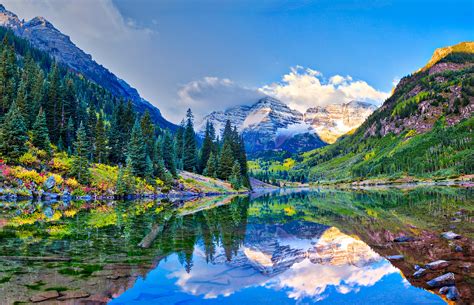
(148,130)
(190,146)
(80,164)
(120,186)
(13,134)
(207,147)
(90,130)
(100,141)
(226,161)
(69,134)
(235,177)
(40,136)
(136,152)
(148,173)
(211,166)
(168,154)
(179,145)
(52,104)
(116,139)
(125,181)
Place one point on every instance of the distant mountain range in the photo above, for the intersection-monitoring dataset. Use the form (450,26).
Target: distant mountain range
(44,36)
(270,124)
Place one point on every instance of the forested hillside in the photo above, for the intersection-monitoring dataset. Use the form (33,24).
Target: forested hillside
(56,123)
(423,130)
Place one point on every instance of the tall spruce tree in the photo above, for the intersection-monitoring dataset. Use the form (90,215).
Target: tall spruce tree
(148,130)
(226,161)
(80,164)
(13,134)
(136,152)
(207,146)
(235,178)
(179,145)
(211,166)
(190,146)
(100,141)
(168,154)
(40,136)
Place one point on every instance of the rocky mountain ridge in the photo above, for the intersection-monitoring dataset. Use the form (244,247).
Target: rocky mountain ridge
(44,36)
(271,124)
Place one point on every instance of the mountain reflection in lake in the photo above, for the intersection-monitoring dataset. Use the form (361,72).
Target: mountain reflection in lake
(325,247)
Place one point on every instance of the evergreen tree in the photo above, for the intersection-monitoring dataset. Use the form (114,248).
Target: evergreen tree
(148,130)
(69,134)
(80,164)
(235,177)
(179,145)
(168,155)
(137,151)
(190,146)
(226,161)
(13,134)
(125,181)
(211,166)
(116,139)
(52,103)
(40,136)
(148,173)
(100,141)
(90,131)
(207,147)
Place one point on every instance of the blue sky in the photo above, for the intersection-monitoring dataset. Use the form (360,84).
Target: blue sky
(213,54)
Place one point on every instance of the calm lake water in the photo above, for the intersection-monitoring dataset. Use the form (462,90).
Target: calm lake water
(294,247)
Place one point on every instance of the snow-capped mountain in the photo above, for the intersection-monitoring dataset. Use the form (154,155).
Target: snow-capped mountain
(266,125)
(44,36)
(271,124)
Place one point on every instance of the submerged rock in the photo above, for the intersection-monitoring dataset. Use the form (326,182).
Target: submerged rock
(436,265)
(450,235)
(443,280)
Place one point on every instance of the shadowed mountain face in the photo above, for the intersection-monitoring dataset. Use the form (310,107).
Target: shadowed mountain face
(44,36)
(326,247)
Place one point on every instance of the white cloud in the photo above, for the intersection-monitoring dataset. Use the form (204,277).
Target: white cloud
(212,93)
(303,88)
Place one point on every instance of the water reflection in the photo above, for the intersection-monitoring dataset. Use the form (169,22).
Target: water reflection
(298,247)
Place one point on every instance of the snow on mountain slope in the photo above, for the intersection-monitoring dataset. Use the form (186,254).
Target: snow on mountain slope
(266,125)
(270,124)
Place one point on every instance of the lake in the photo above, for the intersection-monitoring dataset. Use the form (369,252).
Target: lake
(324,246)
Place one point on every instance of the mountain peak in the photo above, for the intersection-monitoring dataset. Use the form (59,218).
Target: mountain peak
(40,21)
(440,53)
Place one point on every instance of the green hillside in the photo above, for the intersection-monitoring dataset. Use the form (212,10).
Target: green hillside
(423,130)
